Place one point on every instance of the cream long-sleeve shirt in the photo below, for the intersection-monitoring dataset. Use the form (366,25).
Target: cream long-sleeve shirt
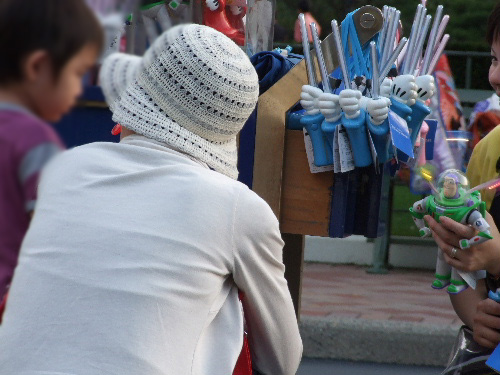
(132,264)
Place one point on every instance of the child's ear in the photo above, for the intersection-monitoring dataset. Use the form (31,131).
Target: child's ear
(37,65)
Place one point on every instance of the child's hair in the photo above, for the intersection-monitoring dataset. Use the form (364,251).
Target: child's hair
(61,27)
(493,25)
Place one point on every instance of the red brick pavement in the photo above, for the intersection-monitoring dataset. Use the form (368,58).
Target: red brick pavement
(348,291)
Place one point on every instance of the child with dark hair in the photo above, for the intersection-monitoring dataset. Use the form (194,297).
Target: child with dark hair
(474,307)
(47,46)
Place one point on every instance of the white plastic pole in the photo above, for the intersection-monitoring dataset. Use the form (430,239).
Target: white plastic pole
(311,73)
(432,39)
(340,54)
(437,54)
(320,58)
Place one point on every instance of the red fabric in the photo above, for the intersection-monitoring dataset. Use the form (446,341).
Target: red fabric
(2,307)
(244,363)
(483,124)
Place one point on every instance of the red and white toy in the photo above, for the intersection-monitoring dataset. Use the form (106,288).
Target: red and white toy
(214,15)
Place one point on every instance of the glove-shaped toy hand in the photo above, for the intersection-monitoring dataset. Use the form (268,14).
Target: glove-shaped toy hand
(426,87)
(309,99)
(385,88)
(330,107)
(350,103)
(378,109)
(404,89)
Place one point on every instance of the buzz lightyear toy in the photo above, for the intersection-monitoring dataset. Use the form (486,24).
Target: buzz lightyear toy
(453,198)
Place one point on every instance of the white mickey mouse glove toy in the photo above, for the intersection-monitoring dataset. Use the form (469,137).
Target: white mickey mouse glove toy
(349,101)
(426,87)
(330,107)
(404,89)
(309,99)
(378,109)
(385,87)
(213,5)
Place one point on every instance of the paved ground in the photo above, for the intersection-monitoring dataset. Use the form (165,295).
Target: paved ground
(348,314)
(350,292)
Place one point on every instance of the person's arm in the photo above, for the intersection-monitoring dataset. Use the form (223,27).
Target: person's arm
(273,333)
(32,156)
(465,303)
(296,32)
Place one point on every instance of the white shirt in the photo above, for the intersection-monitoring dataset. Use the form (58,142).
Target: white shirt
(132,264)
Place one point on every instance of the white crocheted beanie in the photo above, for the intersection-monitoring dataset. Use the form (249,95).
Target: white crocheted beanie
(195,94)
(118,70)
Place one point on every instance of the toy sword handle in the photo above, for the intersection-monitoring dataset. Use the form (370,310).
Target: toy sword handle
(321,61)
(311,73)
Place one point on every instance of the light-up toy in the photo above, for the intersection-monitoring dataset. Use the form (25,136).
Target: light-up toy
(453,198)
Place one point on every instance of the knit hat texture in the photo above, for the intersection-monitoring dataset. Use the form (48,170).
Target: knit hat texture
(118,70)
(195,93)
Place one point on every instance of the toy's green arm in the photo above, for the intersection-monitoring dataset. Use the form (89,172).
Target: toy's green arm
(418,211)
(478,222)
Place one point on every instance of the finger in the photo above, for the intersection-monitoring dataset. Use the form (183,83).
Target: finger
(484,342)
(489,335)
(351,108)
(448,237)
(454,262)
(461,230)
(349,101)
(490,307)
(380,112)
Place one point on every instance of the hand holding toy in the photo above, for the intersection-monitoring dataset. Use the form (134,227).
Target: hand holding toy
(404,89)
(330,107)
(310,99)
(385,88)
(453,199)
(426,87)
(378,109)
(349,101)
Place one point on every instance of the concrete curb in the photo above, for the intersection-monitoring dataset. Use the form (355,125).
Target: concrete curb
(377,341)
(404,252)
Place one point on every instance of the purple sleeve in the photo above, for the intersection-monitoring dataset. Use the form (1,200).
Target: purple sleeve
(39,147)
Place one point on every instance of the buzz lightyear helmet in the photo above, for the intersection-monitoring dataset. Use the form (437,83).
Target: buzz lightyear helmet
(451,188)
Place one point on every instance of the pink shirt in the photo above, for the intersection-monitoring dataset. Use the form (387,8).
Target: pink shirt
(26,144)
(309,19)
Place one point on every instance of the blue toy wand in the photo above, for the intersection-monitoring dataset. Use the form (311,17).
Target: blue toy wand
(344,183)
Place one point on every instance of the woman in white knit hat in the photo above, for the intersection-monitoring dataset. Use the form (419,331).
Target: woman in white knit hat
(137,250)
